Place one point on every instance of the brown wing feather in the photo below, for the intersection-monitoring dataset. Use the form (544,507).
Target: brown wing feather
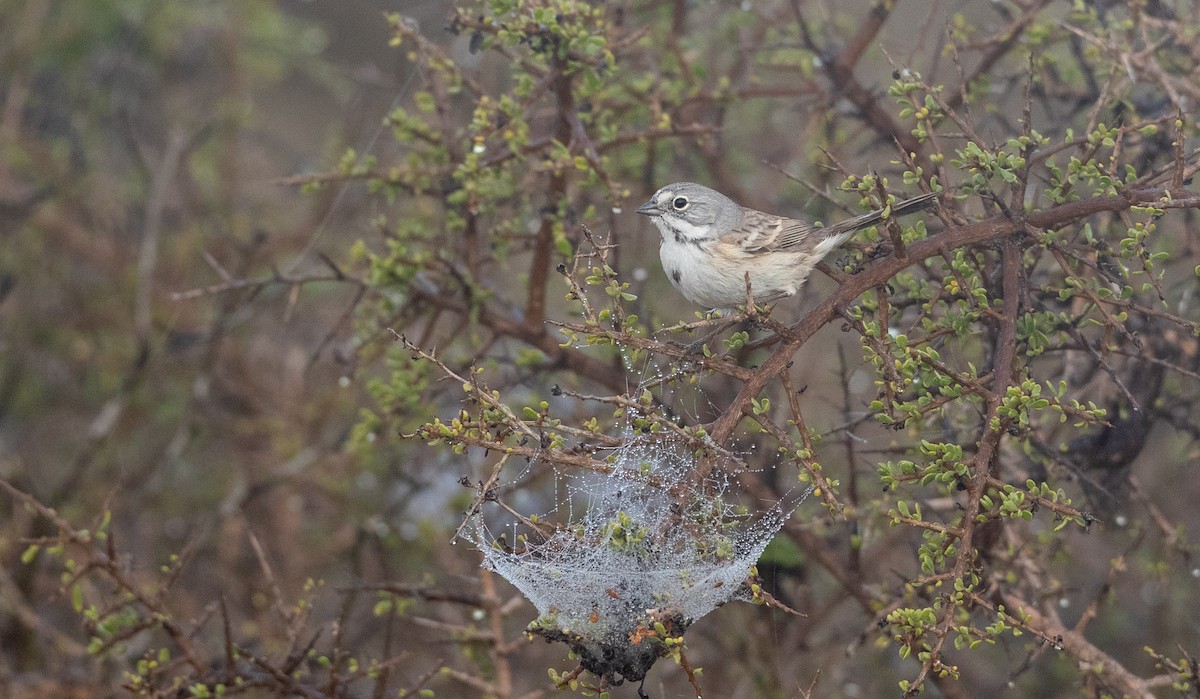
(797,235)
(760,233)
(755,232)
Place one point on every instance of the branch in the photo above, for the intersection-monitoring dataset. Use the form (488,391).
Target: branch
(840,70)
(989,444)
(880,272)
(1083,651)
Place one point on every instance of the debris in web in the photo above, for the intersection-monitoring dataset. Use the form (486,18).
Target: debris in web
(631,558)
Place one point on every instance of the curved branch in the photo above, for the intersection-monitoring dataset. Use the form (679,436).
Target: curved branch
(1079,648)
(990,229)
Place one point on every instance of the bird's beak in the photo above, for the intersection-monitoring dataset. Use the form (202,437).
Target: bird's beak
(650,208)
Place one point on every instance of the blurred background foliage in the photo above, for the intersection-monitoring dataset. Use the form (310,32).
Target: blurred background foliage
(212,214)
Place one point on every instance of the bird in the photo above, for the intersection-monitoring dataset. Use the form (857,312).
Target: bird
(709,243)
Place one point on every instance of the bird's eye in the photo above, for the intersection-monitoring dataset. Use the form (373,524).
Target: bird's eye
(680,203)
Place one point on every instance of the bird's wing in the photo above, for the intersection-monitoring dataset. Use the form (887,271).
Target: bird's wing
(795,235)
(760,233)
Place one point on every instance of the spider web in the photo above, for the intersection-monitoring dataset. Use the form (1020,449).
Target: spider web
(652,546)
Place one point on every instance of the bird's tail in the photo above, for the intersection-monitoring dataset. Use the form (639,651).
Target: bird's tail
(907,206)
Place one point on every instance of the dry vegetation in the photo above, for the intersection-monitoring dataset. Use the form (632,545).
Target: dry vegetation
(246,401)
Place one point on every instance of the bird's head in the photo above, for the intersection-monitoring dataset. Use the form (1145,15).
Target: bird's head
(691,212)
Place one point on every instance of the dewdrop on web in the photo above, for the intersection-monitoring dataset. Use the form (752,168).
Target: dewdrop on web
(645,550)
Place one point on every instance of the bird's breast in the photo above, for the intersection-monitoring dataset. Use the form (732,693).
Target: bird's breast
(692,270)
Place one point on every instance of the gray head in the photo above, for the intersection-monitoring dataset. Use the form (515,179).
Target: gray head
(691,211)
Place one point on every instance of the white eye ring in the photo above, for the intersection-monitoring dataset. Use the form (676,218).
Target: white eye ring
(679,203)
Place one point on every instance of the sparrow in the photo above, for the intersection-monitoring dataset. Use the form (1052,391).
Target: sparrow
(710,242)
